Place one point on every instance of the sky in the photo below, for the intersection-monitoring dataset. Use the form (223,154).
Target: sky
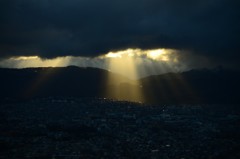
(189,34)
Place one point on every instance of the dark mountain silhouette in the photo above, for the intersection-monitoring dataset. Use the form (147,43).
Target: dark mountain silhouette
(61,81)
(195,86)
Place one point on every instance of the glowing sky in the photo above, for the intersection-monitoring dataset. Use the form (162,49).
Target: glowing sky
(133,63)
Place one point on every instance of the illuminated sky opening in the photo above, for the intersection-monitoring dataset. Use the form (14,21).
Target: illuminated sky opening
(135,62)
(156,54)
(35,61)
(132,63)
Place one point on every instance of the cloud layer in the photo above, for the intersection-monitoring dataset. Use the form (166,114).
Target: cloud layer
(52,28)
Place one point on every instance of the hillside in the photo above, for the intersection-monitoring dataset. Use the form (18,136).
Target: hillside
(195,86)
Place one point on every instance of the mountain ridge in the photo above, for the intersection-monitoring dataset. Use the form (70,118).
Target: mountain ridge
(194,86)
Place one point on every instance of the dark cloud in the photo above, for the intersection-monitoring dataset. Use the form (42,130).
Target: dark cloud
(51,28)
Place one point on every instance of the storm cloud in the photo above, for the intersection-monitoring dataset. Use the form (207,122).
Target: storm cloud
(53,28)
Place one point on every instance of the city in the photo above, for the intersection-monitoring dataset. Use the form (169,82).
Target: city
(70,128)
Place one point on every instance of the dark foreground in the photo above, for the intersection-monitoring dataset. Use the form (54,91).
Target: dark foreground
(100,128)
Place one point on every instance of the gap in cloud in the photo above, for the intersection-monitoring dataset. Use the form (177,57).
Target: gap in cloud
(34,61)
(132,62)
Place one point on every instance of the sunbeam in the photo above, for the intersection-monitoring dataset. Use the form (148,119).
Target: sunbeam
(122,88)
(45,74)
(133,62)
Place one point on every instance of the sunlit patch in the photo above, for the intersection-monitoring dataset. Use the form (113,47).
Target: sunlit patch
(123,53)
(157,54)
(112,55)
(25,58)
(35,61)
(166,55)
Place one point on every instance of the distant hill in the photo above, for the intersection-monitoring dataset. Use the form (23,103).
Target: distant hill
(195,86)
(60,81)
